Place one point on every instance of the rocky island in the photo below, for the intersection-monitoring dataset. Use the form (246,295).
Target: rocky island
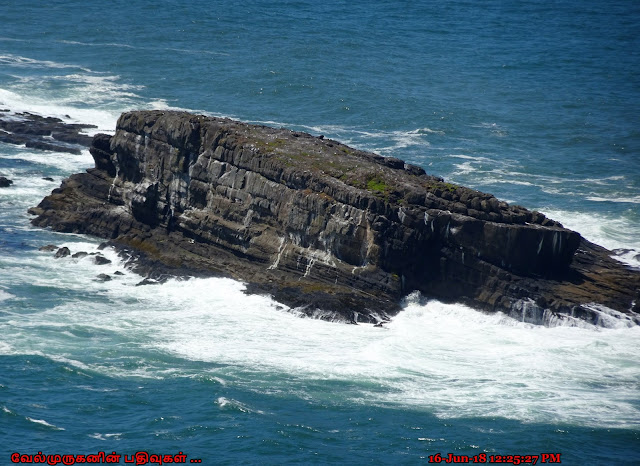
(338,233)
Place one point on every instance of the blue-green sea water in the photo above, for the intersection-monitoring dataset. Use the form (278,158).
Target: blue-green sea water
(535,102)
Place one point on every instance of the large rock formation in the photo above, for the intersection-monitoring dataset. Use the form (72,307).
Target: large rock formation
(338,232)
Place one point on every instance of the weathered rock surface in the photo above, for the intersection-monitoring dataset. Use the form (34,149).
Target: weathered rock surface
(62,252)
(101,260)
(339,232)
(44,133)
(103,277)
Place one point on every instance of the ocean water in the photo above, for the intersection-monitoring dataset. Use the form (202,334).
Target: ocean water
(535,102)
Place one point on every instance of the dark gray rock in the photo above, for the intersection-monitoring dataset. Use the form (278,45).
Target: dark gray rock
(103,277)
(48,248)
(62,252)
(101,260)
(43,133)
(148,281)
(322,226)
(5,182)
(80,255)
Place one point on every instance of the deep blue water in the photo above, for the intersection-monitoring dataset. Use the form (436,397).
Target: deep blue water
(535,102)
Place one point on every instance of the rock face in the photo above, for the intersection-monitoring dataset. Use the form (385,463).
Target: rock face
(341,233)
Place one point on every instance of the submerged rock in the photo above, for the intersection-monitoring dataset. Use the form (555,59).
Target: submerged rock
(148,281)
(5,182)
(336,232)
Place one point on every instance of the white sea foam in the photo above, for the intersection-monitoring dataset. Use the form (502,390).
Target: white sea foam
(426,357)
(515,182)
(68,163)
(92,389)
(494,128)
(44,423)
(96,44)
(469,157)
(70,92)
(12,39)
(231,404)
(622,199)
(448,359)
(464,168)
(26,62)
(427,131)
(97,87)
(4,295)
(139,47)
(105,437)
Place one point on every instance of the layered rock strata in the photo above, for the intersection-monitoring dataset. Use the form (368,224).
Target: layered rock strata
(337,232)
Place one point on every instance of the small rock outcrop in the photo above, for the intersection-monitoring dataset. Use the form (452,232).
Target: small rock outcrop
(5,182)
(43,133)
(338,232)
(101,260)
(62,252)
